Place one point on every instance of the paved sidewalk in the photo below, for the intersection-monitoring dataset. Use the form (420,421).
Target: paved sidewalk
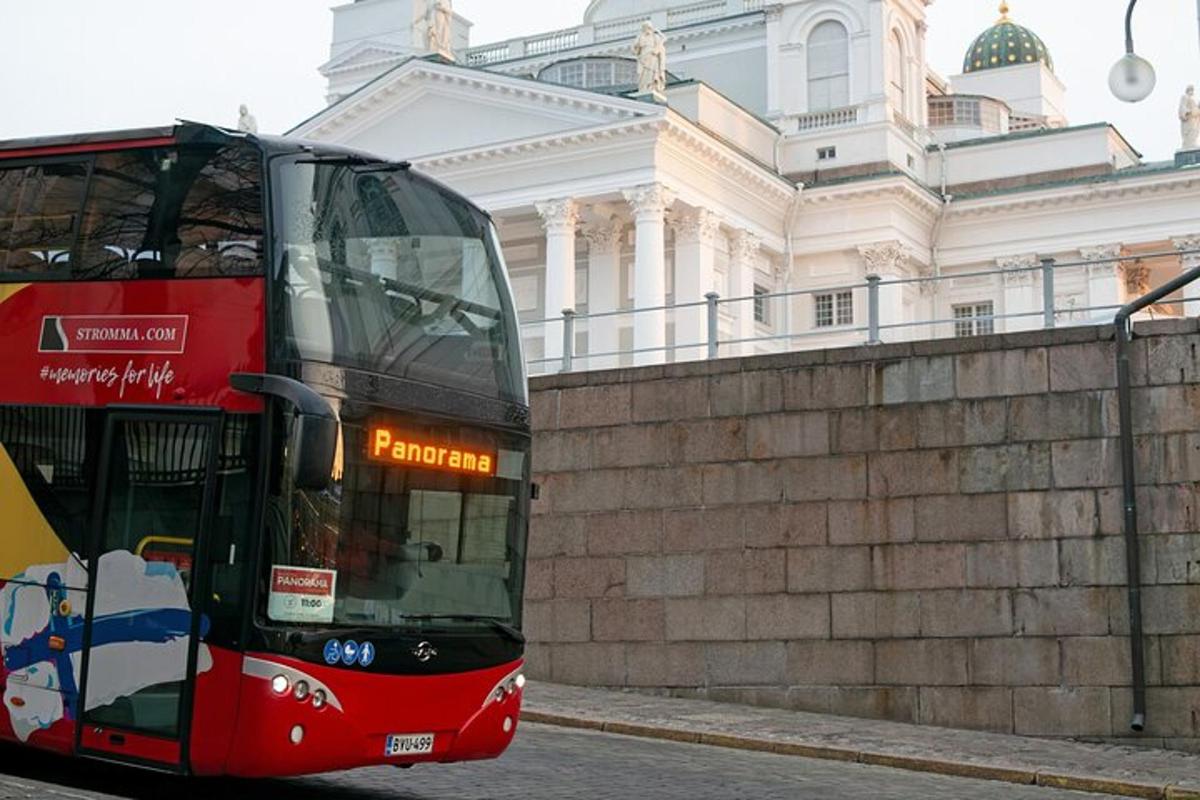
(1106,769)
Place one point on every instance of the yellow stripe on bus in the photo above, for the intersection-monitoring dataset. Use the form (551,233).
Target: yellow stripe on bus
(7,290)
(26,538)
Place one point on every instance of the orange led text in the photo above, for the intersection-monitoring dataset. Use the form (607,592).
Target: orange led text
(395,447)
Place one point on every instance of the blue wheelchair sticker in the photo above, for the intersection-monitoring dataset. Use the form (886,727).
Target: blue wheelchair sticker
(333,652)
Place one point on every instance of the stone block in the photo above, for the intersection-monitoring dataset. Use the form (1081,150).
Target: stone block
(1168,610)
(762,392)
(1050,417)
(670,400)
(787,616)
(589,577)
(539,579)
(746,482)
(1006,565)
(894,703)
(776,525)
(1099,562)
(1015,662)
(562,451)
(588,664)
(595,406)
(1059,711)
(1161,509)
(557,621)
(1166,409)
(1061,612)
(830,663)
(1170,458)
(594,490)
(543,410)
(1173,359)
(703,529)
(1170,711)
(921,662)
(1010,468)
(557,535)
(834,478)
(619,533)
(665,576)
(916,380)
(876,615)
(1105,661)
(1086,462)
(889,521)
(1175,559)
(621,620)
(537,661)
(787,435)
(961,518)
(813,699)
(853,430)
(678,487)
(746,572)
(664,665)
(919,566)
(828,569)
(963,423)
(633,446)
(972,708)
(1053,515)
(726,394)
(1079,367)
(963,613)
(896,428)
(825,387)
(1180,660)
(905,474)
(704,619)
(708,440)
(1001,373)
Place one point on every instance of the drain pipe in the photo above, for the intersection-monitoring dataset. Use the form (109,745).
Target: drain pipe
(1133,573)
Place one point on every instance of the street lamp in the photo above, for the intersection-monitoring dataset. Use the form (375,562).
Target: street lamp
(1132,78)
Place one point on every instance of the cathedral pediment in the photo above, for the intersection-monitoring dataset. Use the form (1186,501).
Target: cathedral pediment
(424,106)
(363,55)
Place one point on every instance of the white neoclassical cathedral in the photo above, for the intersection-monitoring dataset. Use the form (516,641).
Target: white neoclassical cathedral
(799,150)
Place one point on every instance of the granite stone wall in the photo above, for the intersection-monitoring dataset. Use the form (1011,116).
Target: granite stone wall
(926,532)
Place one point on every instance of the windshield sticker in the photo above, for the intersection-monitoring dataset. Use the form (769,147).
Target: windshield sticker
(299,594)
(397,447)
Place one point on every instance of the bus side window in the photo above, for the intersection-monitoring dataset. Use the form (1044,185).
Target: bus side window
(39,214)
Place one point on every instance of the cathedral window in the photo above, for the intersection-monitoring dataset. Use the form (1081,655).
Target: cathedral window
(828,67)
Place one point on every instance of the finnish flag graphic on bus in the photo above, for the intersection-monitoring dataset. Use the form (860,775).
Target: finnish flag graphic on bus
(127,333)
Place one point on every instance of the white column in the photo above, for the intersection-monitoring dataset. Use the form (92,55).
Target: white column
(889,261)
(559,218)
(1104,279)
(649,204)
(1189,260)
(695,234)
(604,291)
(744,249)
(1021,293)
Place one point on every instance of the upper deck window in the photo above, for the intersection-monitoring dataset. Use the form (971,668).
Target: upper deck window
(39,213)
(181,212)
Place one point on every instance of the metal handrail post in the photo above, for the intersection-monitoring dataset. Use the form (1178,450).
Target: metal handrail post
(714,324)
(568,350)
(872,310)
(1048,292)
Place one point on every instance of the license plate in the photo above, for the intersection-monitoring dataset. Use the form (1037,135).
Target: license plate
(409,744)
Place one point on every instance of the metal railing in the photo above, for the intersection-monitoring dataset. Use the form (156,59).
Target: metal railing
(763,322)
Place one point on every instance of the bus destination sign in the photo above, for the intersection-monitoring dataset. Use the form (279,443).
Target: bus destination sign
(397,447)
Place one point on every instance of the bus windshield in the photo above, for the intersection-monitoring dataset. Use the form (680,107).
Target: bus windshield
(388,272)
(422,521)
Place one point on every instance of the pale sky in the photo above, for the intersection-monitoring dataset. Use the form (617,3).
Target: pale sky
(75,65)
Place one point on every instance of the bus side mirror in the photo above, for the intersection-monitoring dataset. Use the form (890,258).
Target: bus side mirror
(315,433)
(314,444)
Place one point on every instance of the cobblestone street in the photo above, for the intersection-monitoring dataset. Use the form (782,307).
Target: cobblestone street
(546,763)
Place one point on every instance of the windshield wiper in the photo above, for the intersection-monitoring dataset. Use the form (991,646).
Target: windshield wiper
(502,627)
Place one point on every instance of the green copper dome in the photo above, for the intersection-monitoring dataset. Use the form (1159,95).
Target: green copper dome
(1006,44)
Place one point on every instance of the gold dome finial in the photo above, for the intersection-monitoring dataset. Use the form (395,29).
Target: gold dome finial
(1003,11)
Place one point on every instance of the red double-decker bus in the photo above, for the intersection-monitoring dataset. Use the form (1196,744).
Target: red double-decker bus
(264,458)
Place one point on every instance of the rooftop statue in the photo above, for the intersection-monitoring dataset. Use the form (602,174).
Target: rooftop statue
(1189,120)
(437,27)
(651,52)
(246,121)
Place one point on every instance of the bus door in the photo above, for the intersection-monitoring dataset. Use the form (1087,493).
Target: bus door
(142,643)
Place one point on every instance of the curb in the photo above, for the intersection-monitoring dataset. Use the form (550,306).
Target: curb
(831,752)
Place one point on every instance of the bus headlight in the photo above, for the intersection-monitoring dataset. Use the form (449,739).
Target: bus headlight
(279,684)
(300,692)
(319,698)
(520,681)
